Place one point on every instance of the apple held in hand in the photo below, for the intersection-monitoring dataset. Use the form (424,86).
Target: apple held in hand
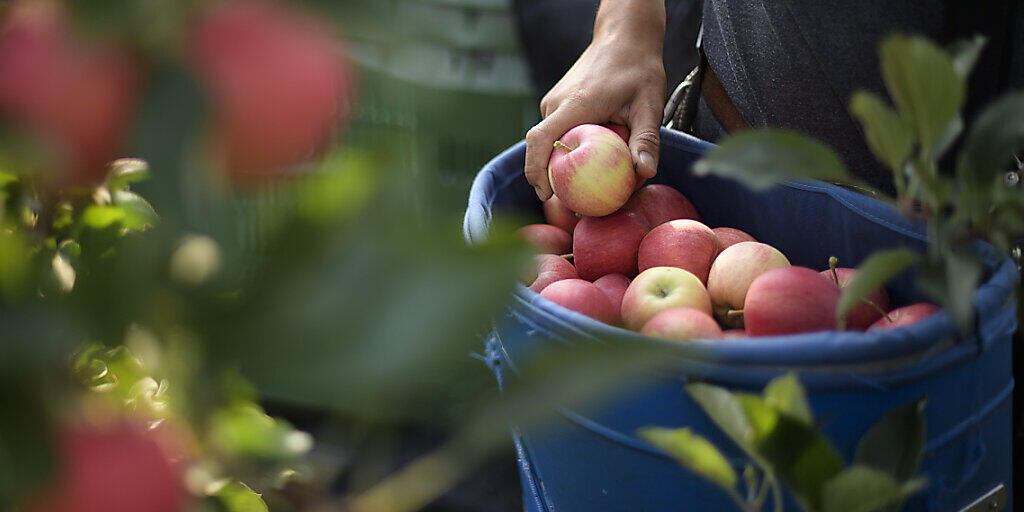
(734,270)
(731,236)
(660,288)
(614,287)
(660,204)
(789,300)
(591,170)
(907,315)
(682,324)
(546,239)
(686,244)
(582,297)
(863,315)
(608,245)
(549,268)
(558,215)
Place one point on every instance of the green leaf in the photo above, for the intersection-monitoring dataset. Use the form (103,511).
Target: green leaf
(950,279)
(725,411)
(995,136)
(100,217)
(924,84)
(244,429)
(786,395)
(125,171)
(763,157)
(887,134)
(237,497)
(895,442)
(798,453)
(873,273)
(139,215)
(864,489)
(695,453)
(965,54)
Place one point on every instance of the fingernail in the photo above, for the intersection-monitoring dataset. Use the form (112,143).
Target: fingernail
(540,193)
(647,160)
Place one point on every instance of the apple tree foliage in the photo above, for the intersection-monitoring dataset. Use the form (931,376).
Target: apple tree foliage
(927,85)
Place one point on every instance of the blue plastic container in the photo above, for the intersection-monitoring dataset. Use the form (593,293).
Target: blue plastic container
(595,462)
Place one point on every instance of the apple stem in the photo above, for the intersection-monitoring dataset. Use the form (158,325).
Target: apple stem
(877,308)
(833,262)
(734,314)
(558,144)
(566,256)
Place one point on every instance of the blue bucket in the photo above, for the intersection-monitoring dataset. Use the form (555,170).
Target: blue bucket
(593,461)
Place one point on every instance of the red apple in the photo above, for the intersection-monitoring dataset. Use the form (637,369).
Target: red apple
(731,236)
(546,239)
(682,243)
(591,170)
(862,315)
(789,300)
(734,333)
(608,245)
(549,268)
(614,287)
(660,288)
(279,82)
(621,130)
(733,271)
(906,315)
(660,204)
(582,297)
(558,215)
(113,468)
(682,324)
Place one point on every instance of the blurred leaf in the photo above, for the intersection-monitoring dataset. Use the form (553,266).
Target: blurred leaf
(965,53)
(237,497)
(26,456)
(125,171)
(245,430)
(786,395)
(872,274)
(15,263)
(947,138)
(63,271)
(695,453)
(99,217)
(895,442)
(726,412)
(6,177)
(763,157)
(138,213)
(995,136)
(950,279)
(345,187)
(924,84)
(864,489)
(887,134)
(799,454)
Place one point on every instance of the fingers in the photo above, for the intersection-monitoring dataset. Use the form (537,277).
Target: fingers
(644,138)
(540,141)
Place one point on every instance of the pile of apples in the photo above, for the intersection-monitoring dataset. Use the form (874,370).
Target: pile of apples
(638,257)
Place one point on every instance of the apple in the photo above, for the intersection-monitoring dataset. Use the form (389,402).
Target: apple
(906,315)
(660,288)
(861,316)
(732,236)
(591,170)
(682,324)
(789,300)
(608,245)
(546,239)
(558,215)
(660,204)
(582,297)
(620,129)
(278,80)
(614,287)
(682,243)
(549,268)
(734,333)
(112,468)
(733,271)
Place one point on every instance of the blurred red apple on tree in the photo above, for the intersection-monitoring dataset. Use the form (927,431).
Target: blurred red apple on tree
(682,324)
(732,236)
(683,243)
(550,268)
(278,80)
(660,288)
(907,315)
(660,204)
(546,239)
(790,300)
(608,245)
(582,297)
(558,215)
(591,170)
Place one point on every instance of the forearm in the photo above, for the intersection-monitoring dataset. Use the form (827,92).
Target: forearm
(640,22)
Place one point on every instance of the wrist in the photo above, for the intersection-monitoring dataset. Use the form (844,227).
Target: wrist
(638,23)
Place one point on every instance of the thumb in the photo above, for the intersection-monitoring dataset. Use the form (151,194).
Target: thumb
(644,140)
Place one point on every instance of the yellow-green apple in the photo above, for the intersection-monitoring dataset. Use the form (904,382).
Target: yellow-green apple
(546,239)
(608,245)
(733,271)
(732,236)
(660,288)
(558,215)
(548,268)
(614,287)
(682,324)
(660,204)
(591,170)
(582,297)
(734,333)
(862,315)
(906,315)
(789,300)
(682,243)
